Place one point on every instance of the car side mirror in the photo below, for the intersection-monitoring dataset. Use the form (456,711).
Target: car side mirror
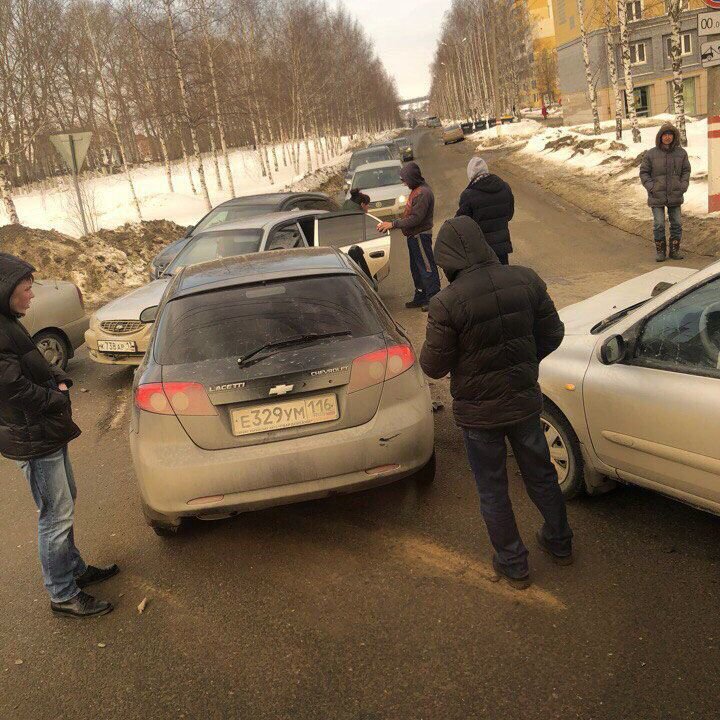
(149,315)
(613,350)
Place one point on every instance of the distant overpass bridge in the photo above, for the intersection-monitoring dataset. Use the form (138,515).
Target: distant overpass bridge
(413,101)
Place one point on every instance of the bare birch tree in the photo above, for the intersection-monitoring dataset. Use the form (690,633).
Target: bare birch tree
(627,69)
(591,89)
(674,10)
(612,71)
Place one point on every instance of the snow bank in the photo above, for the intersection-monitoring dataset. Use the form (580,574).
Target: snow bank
(601,156)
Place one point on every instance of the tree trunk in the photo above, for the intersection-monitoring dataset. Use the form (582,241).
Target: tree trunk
(592,90)
(629,86)
(187,165)
(6,192)
(677,81)
(186,109)
(612,70)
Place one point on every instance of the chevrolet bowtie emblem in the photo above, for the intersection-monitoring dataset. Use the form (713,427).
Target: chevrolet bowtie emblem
(281,389)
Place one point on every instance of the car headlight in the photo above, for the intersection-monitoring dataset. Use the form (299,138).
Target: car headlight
(402,199)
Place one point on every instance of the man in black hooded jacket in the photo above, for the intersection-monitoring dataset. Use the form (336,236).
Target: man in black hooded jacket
(36,426)
(490,328)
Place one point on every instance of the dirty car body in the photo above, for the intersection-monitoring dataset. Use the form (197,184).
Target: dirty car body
(273,379)
(633,393)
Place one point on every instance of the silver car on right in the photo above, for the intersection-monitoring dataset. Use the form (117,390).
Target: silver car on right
(633,393)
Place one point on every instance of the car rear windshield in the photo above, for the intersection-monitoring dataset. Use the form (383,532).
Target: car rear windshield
(233,213)
(380,177)
(236,321)
(213,245)
(364,158)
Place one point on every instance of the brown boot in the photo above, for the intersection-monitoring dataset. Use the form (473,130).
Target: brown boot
(661,252)
(675,249)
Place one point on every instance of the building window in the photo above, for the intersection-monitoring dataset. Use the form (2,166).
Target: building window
(637,54)
(562,18)
(685,45)
(634,10)
(684,5)
(571,22)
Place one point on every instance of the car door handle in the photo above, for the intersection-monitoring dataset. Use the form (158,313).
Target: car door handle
(377,254)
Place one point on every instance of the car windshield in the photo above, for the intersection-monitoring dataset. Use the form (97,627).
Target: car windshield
(377,178)
(233,213)
(237,321)
(213,245)
(377,155)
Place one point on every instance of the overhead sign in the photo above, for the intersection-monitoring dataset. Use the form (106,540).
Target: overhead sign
(710,53)
(72,144)
(709,23)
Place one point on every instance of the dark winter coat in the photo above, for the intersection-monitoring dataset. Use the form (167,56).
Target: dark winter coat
(35,417)
(489,328)
(665,174)
(420,209)
(490,203)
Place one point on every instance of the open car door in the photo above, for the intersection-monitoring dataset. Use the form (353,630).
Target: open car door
(343,230)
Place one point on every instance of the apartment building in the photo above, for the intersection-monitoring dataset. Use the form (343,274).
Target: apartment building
(543,83)
(649,30)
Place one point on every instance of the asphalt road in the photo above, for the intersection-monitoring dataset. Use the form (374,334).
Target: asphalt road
(379,605)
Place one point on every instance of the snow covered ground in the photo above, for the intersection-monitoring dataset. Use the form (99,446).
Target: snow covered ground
(615,163)
(53,209)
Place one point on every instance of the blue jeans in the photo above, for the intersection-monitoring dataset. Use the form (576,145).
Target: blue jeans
(53,488)
(423,268)
(487,453)
(675,217)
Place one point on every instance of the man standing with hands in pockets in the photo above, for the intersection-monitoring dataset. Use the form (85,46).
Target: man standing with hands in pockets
(416,224)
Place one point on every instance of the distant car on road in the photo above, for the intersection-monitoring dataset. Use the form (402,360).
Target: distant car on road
(381,182)
(274,379)
(366,156)
(452,134)
(433,122)
(119,332)
(633,392)
(56,320)
(406,148)
(390,145)
(238,209)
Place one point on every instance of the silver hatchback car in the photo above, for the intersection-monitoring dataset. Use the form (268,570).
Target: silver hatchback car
(274,378)
(633,393)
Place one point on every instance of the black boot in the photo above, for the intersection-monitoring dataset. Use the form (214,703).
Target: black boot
(661,251)
(81,606)
(675,249)
(96,575)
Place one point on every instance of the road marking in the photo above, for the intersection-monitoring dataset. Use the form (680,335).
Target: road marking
(466,569)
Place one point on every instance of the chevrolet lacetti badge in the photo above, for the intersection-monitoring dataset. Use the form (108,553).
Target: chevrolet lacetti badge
(281,389)
(229,386)
(330,371)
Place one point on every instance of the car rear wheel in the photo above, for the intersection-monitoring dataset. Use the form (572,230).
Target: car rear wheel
(565,451)
(53,347)
(167,531)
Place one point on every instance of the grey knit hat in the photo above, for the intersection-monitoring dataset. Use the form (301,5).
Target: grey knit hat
(477,168)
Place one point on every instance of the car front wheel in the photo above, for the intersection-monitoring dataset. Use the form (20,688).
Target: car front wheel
(565,451)
(53,347)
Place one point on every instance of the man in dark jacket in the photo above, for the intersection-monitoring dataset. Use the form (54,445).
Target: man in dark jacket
(665,174)
(36,426)
(489,329)
(489,201)
(416,224)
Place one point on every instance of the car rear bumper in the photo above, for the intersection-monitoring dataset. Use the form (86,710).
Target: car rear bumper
(391,211)
(174,475)
(141,340)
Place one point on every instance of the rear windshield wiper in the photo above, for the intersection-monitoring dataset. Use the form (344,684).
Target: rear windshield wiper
(294,340)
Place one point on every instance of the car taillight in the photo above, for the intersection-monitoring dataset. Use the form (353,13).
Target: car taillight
(378,366)
(80,297)
(174,398)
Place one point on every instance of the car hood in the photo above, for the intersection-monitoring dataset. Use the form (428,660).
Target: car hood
(391,192)
(129,307)
(581,317)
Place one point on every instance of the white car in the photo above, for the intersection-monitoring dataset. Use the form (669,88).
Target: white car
(633,392)
(381,182)
(120,335)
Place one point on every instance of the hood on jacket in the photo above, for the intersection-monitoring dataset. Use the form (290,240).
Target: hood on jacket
(460,245)
(12,271)
(477,168)
(487,183)
(667,127)
(410,174)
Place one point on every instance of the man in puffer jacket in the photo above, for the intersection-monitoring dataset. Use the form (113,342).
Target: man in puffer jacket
(490,328)
(36,426)
(489,201)
(665,174)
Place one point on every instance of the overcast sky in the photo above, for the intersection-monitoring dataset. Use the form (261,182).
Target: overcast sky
(405,34)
